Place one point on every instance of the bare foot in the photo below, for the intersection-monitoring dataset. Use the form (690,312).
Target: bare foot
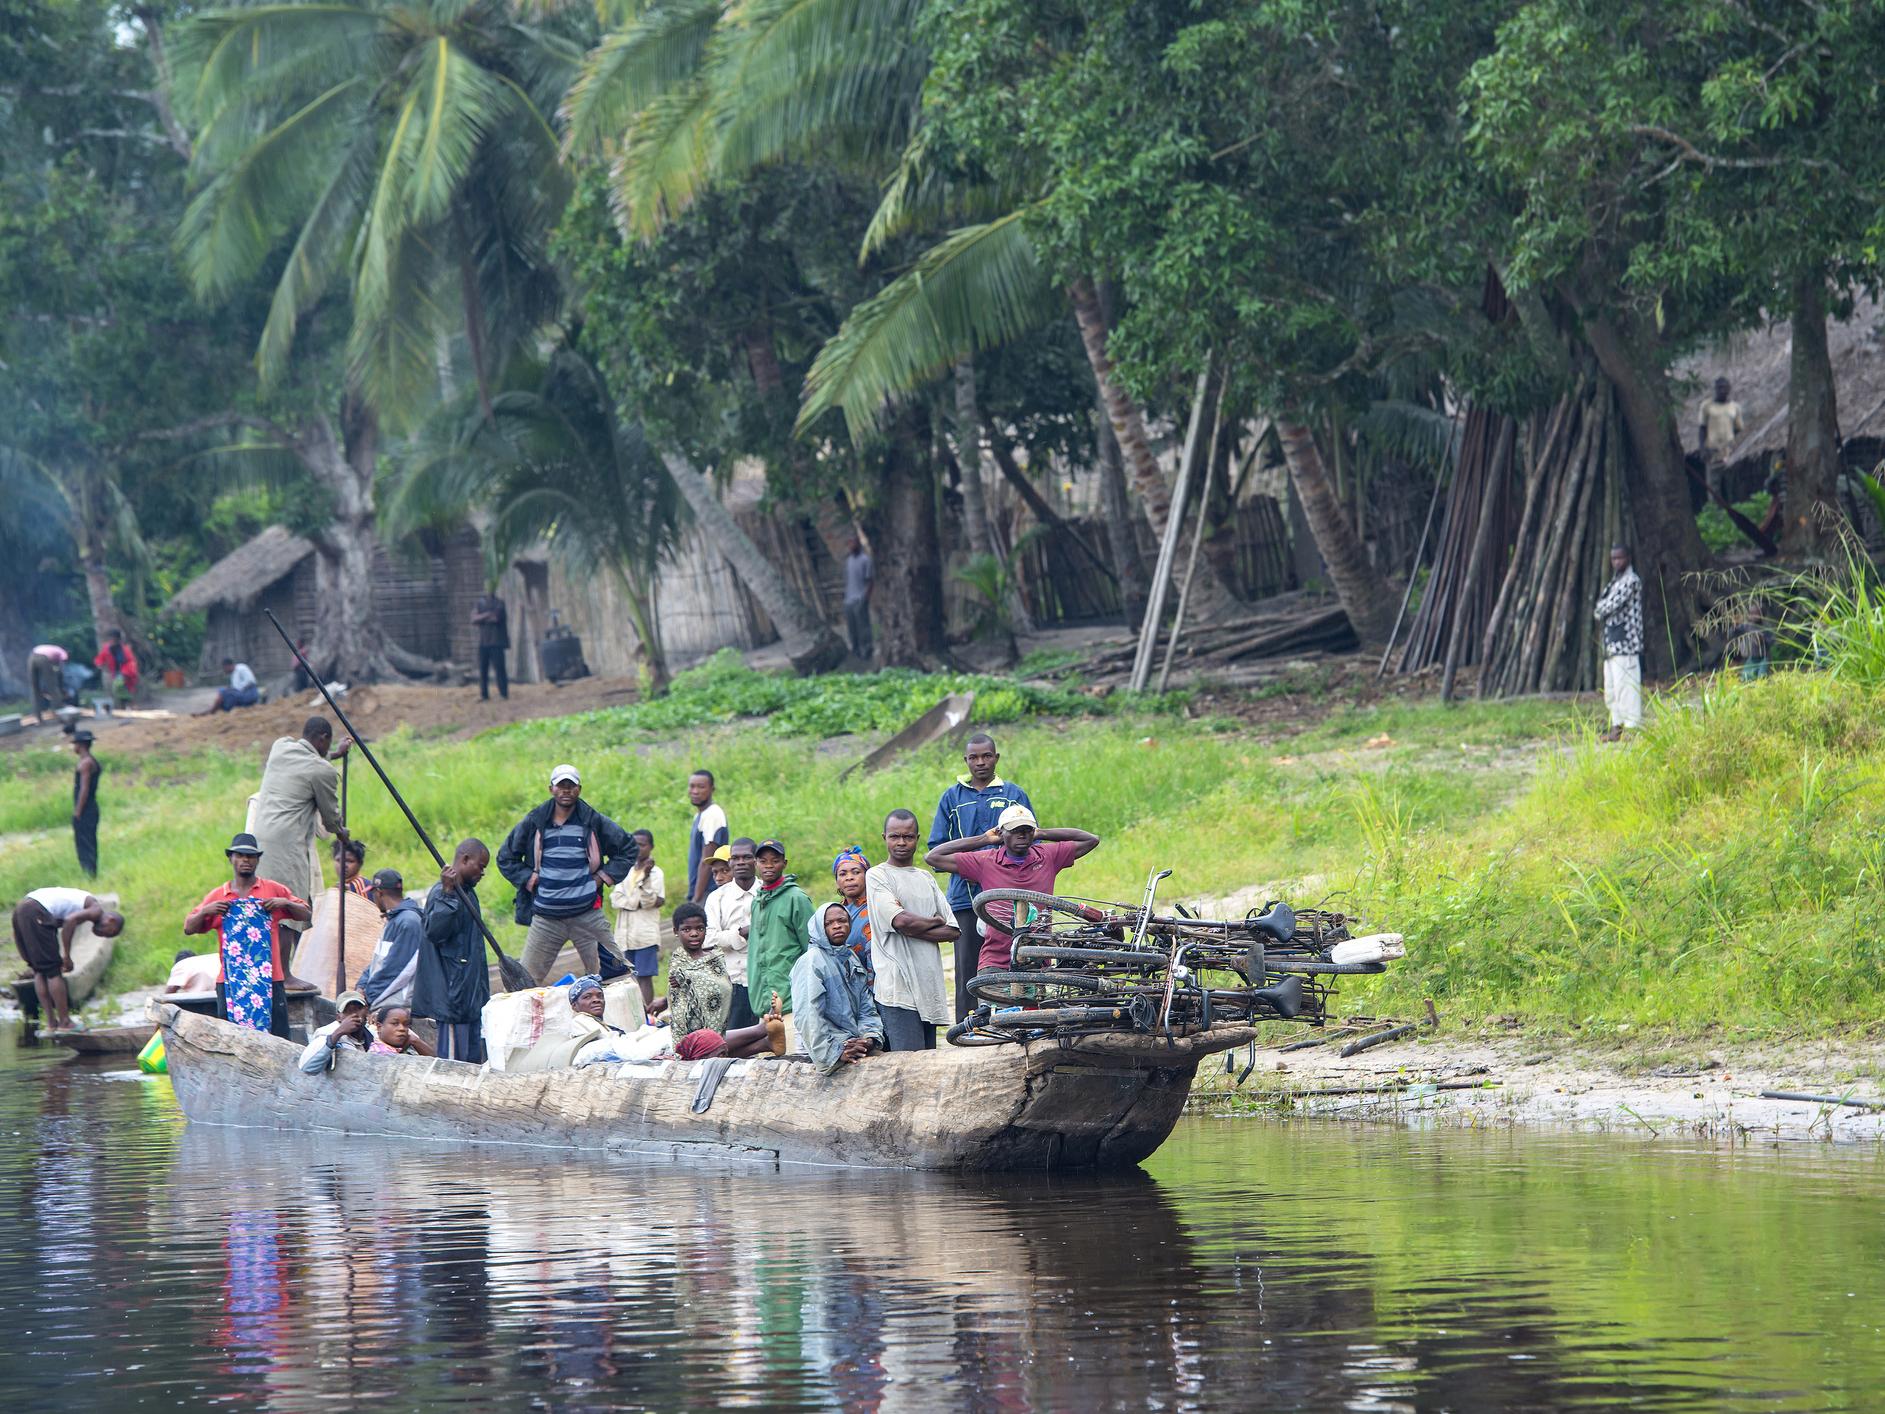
(775,1032)
(292,983)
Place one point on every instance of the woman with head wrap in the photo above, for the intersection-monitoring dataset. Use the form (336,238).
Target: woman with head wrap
(849,869)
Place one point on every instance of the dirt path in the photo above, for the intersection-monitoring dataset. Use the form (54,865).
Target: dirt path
(1677,1090)
(454,712)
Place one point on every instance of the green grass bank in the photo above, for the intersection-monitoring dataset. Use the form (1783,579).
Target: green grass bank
(1720,870)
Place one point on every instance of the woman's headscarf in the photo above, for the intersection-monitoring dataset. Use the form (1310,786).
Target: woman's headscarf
(849,852)
(590,983)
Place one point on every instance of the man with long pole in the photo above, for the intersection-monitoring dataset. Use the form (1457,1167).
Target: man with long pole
(512,972)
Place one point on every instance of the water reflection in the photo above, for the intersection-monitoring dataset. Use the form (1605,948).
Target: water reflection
(1256,1265)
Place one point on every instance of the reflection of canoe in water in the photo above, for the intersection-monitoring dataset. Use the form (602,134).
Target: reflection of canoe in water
(105,1040)
(91,955)
(1100,1103)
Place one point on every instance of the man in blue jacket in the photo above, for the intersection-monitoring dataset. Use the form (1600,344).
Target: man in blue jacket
(563,858)
(971,807)
(387,980)
(453,980)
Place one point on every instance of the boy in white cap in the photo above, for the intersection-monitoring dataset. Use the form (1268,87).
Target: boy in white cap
(1016,854)
(562,858)
(347,1029)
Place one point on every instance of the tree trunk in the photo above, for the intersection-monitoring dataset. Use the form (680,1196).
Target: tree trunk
(1811,495)
(969,462)
(349,644)
(1220,508)
(809,641)
(1669,547)
(906,599)
(1135,445)
(1128,568)
(1365,595)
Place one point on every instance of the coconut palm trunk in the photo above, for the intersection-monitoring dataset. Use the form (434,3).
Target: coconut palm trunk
(1364,593)
(809,641)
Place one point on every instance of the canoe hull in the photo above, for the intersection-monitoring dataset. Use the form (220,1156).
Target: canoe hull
(1105,1103)
(105,1040)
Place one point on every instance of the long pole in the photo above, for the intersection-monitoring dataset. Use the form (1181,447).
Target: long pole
(340,893)
(1197,539)
(1168,546)
(509,970)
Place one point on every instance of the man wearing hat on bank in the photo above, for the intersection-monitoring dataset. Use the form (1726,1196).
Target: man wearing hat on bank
(246,915)
(348,1030)
(85,775)
(1023,856)
(387,980)
(563,857)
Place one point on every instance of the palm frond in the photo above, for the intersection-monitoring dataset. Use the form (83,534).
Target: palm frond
(457,102)
(919,196)
(320,249)
(230,226)
(979,287)
(665,162)
(272,51)
(658,51)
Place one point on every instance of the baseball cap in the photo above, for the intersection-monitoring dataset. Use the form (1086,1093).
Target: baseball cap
(566,772)
(348,998)
(725,853)
(389,879)
(1015,815)
(772,845)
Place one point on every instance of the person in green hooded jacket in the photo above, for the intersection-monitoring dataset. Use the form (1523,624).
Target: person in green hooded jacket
(776,935)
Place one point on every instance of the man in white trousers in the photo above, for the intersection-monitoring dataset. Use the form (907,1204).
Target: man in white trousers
(1620,615)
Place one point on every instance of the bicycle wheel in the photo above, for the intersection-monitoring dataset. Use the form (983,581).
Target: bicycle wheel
(996,908)
(970,1032)
(1012,988)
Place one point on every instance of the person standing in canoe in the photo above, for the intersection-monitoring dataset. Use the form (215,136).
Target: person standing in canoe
(43,924)
(562,858)
(1022,856)
(300,789)
(730,924)
(699,990)
(776,937)
(968,810)
(246,914)
(848,870)
(85,776)
(911,923)
(454,979)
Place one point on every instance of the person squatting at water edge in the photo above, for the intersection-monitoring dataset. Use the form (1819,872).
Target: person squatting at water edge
(43,925)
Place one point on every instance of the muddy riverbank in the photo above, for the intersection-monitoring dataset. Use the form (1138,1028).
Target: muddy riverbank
(1679,1088)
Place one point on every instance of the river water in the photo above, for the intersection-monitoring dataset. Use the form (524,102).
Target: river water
(1255,1264)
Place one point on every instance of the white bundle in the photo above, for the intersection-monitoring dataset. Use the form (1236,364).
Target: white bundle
(1376,947)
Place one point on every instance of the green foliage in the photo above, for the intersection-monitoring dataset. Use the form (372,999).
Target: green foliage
(724,689)
(1719,533)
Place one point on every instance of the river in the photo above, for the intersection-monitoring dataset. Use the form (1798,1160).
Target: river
(1256,1263)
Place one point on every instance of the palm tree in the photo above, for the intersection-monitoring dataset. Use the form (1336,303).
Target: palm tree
(551,461)
(405,146)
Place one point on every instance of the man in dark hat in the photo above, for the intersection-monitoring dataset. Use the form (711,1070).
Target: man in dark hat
(85,775)
(246,915)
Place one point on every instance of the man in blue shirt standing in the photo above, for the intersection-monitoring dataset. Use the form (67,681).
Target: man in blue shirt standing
(971,807)
(562,858)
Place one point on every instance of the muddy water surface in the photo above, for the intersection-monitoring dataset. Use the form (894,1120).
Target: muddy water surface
(1256,1264)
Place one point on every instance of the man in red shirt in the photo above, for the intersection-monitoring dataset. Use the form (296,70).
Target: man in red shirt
(1024,857)
(249,981)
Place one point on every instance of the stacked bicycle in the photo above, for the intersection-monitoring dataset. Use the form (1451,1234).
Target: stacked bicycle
(1082,967)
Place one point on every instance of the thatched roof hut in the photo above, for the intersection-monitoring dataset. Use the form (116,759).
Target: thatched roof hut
(240,579)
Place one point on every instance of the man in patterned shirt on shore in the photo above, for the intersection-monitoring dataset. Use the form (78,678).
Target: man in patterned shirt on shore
(1620,615)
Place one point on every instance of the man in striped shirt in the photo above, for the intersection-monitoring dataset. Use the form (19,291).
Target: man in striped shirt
(563,857)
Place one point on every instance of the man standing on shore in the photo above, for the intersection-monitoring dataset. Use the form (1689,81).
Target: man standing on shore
(85,803)
(1620,612)
(494,641)
(1721,424)
(968,810)
(729,922)
(453,981)
(43,925)
(911,924)
(859,575)
(708,834)
(1014,855)
(563,857)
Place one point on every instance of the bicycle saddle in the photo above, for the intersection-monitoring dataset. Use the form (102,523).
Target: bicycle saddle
(1278,924)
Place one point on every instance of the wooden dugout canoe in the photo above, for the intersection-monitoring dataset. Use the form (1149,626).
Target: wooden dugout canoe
(1103,1102)
(105,1040)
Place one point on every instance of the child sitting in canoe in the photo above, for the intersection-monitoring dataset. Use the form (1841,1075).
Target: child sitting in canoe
(395,1034)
